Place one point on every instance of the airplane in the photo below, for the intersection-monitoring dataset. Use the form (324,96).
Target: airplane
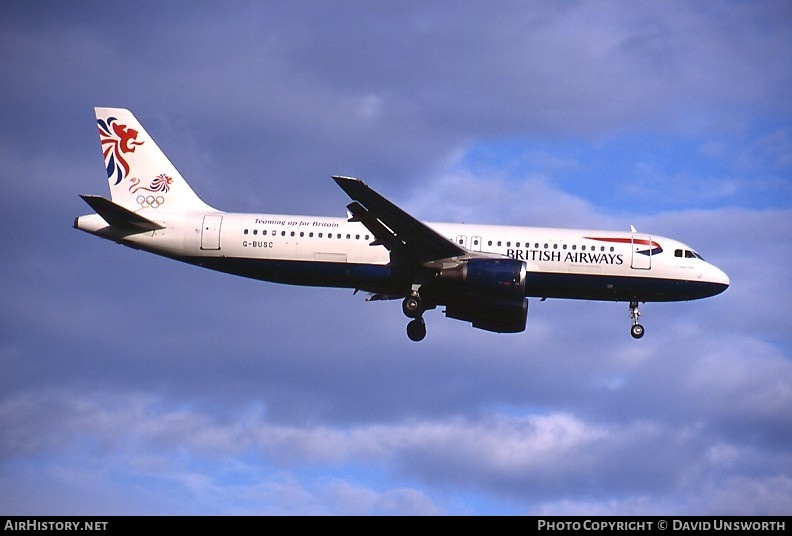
(481,274)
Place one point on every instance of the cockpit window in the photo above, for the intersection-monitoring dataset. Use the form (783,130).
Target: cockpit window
(688,254)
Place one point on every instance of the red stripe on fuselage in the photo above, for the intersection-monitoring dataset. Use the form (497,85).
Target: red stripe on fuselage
(642,241)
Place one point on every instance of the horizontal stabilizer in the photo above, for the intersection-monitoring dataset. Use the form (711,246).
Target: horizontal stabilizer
(118,216)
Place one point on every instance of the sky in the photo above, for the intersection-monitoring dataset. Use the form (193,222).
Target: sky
(133,384)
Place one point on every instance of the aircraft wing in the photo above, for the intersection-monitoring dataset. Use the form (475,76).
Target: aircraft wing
(395,229)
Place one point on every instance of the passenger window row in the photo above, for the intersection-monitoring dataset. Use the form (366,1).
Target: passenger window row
(310,234)
(681,253)
(573,247)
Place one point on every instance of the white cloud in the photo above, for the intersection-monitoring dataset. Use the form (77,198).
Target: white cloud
(461,196)
(215,461)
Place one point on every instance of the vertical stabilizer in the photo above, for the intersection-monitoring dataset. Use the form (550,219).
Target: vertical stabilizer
(140,175)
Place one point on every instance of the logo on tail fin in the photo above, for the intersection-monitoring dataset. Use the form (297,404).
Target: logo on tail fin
(161,183)
(117,141)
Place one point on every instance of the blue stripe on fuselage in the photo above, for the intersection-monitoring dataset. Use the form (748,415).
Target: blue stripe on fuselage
(381,279)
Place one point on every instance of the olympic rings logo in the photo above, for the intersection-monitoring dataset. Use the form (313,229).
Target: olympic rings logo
(149,201)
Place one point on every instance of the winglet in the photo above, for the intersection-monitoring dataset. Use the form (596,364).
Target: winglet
(118,216)
(349,184)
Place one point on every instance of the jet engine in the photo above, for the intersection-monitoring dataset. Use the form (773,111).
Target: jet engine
(489,293)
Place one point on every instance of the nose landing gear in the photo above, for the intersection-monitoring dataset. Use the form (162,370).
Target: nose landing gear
(637,330)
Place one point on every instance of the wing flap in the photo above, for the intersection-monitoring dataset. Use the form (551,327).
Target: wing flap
(394,228)
(382,235)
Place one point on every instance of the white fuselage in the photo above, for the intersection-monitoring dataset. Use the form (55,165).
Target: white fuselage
(563,263)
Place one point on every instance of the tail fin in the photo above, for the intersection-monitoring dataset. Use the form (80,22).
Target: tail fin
(141,176)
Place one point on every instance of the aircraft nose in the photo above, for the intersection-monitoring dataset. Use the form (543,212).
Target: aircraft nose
(719,278)
(722,278)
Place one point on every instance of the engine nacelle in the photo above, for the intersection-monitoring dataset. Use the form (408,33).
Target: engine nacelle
(501,315)
(488,277)
(489,293)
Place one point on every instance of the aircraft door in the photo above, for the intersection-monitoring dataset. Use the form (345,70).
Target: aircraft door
(210,232)
(641,252)
(475,243)
(462,240)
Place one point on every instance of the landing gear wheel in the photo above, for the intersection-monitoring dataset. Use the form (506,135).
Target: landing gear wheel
(412,306)
(416,330)
(637,331)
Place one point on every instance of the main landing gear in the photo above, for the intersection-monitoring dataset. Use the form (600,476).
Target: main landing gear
(637,330)
(416,329)
(413,307)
